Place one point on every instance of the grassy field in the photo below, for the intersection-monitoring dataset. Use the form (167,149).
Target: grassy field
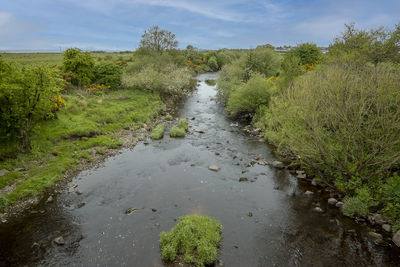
(86,124)
(56,58)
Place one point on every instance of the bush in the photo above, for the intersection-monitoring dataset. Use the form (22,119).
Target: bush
(212,63)
(157,132)
(108,73)
(79,63)
(170,81)
(391,197)
(195,238)
(249,96)
(358,205)
(176,131)
(27,95)
(342,121)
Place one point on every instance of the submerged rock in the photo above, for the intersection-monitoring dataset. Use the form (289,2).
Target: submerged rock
(278,164)
(243,179)
(59,240)
(214,168)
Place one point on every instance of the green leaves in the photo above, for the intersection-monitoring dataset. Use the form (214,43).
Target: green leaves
(79,63)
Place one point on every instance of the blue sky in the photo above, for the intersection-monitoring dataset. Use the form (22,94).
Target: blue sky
(207,24)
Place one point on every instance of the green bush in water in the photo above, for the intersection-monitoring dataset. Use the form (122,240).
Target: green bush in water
(157,132)
(183,123)
(196,238)
(176,131)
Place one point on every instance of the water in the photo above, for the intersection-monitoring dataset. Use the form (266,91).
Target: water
(283,231)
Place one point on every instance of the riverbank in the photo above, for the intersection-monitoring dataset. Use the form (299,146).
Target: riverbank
(90,128)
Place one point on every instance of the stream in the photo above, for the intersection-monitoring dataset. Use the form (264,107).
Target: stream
(166,179)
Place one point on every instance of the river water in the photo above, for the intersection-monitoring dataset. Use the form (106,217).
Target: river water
(169,178)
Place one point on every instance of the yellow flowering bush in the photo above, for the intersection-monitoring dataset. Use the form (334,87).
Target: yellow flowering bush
(98,88)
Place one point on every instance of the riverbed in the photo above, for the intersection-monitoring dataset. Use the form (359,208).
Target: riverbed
(267,220)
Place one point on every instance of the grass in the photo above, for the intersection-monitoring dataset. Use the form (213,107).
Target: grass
(183,123)
(176,131)
(56,58)
(157,132)
(87,121)
(195,239)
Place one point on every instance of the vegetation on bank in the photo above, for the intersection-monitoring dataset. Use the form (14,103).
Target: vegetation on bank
(195,239)
(157,132)
(336,113)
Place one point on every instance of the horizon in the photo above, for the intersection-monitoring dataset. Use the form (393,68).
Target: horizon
(100,25)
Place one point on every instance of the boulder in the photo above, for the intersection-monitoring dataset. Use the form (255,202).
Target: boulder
(278,164)
(396,238)
(387,227)
(379,219)
(339,204)
(332,201)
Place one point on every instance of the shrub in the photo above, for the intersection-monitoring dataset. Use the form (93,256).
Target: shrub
(170,81)
(391,197)
(176,131)
(27,95)
(249,96)
(157,132)
(183,123)
(195,238)
(79,63)
(212,63)
(108,73)
(358,205)
(342,121)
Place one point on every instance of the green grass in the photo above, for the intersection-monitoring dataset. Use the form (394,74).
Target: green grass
(56,58)
(176,131)
(58,145)
(195,239)
(157,132)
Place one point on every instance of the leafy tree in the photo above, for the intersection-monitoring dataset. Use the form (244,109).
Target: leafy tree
(261,60)
(212,63)
(27,95)
(158,40)
(308,53)
(360,46)
(81,64)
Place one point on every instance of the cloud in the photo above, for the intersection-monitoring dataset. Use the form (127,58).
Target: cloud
(11,27)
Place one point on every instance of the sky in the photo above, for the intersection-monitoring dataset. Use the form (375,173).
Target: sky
(117,25)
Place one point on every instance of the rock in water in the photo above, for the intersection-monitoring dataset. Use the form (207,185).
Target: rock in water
(59,240)
(50,199)
(396,238)
(243,179)
(379,219)
(278,164)
(332,201)
(387,227)
(318,209)
(339,204)
(130,210)
(214,168)
(309,193)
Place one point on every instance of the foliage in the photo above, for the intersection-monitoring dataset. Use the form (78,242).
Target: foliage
(390,195)
(212,63)
(170,81)
(27,95)
(158,40)
(249,96)
(157,132)
(360,46)
(358,205)
(108,73)
(79,63)
(342,121)
(183,123)
(261,60)
(195,237)
(177,131)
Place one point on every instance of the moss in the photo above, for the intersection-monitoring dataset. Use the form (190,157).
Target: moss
(195,239)
(157,132)
(183,123)
(176,131)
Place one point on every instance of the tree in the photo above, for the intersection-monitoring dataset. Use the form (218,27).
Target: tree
(158,40)
(79,63)
(27,94)
(360,46)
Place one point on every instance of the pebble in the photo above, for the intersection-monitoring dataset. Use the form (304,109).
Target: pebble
(59,240)
(243,179)
(50,199)
(250,214)
(332,201)
(153,210)
(213,168)
(318,209)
